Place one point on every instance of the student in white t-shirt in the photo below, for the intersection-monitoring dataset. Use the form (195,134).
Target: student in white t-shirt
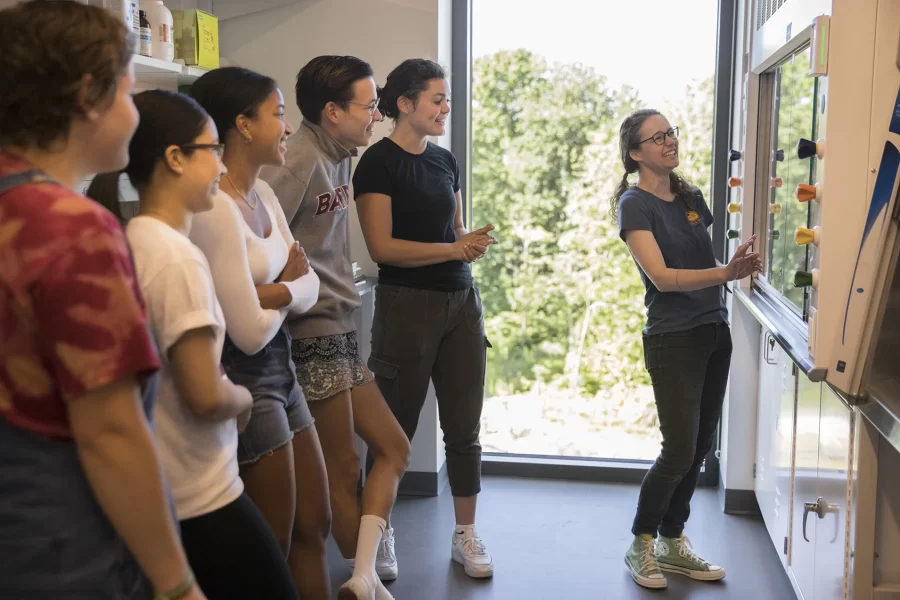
(175,164)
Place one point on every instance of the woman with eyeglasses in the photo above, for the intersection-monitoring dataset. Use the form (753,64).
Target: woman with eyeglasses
(664,220)
(175,166)
(261,275)
(339,102)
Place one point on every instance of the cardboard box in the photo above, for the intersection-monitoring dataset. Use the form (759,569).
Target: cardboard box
(196,38)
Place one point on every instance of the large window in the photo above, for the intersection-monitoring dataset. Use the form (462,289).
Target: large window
(551,83)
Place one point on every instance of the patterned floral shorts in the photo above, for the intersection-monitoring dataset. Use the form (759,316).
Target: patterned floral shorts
(327,366)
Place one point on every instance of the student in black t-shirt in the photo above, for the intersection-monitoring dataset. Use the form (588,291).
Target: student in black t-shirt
(428,324)
(687,342)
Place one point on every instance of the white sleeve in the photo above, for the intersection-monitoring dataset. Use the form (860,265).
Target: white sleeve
(180,298)
(219,234)
(305,290)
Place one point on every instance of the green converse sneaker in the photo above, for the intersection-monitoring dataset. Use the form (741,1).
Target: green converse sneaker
(641,561)
(676,555)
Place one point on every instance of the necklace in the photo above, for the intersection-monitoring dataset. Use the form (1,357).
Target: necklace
(244,198)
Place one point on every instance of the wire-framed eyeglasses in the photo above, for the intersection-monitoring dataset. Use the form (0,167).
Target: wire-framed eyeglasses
(371,106)
(659,138)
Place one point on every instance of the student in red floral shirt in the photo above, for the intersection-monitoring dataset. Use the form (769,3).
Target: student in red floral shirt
(84,510)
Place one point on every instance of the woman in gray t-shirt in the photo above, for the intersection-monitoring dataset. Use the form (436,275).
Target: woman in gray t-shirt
(664,221)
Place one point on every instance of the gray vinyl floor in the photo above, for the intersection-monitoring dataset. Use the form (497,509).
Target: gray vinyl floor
(556,540)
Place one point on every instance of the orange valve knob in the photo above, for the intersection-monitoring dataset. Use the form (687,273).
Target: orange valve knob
(734,182)
(775,208)
(806,192)
(804,236)
(777,182)
(734,207)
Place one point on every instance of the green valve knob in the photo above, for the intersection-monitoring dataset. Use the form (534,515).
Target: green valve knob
(806,278)
(775,234)
(733,234)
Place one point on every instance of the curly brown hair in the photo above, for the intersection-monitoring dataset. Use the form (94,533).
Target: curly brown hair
(48,49)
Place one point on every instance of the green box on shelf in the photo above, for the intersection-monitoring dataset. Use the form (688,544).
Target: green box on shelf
(196,38)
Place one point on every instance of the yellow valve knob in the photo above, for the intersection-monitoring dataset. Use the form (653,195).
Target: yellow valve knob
(775,208)
(734,207)
(804,236)
(734,182)
(777,182)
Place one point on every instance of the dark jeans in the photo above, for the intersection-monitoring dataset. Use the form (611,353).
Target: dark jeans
(56,543)
(422,336)
(689,371)
(235,555)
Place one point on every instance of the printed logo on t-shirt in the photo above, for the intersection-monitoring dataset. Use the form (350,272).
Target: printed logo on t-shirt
(333,201)
(693,217)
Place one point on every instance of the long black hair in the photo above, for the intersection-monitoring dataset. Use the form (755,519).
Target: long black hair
(230,92)
(629,139)
(408,80)
(167,119)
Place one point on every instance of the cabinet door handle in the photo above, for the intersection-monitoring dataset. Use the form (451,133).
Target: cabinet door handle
(821,508)
(770,346)
(808,507)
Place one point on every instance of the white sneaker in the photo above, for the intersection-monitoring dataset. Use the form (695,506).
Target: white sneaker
(381,592)
(386,559)
(358,588)
(472,554)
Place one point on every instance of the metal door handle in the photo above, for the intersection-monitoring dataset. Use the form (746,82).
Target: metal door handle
(821,508)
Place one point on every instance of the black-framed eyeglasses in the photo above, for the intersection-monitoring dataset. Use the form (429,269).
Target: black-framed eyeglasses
(217,149)
(371,106)
(659,138)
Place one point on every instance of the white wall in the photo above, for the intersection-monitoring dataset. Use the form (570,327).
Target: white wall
(278,41)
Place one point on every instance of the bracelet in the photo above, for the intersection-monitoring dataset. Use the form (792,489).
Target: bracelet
(179,591)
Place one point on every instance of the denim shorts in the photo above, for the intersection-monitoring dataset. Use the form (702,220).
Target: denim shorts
(279,406)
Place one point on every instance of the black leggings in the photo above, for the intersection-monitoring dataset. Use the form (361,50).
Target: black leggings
(234,554)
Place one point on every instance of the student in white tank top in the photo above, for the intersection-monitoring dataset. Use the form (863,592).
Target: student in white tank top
(261,275)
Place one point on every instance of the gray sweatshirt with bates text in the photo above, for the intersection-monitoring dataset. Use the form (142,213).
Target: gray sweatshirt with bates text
(313,188)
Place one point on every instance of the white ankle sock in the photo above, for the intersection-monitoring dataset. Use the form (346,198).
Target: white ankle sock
(465,531)
(371,529)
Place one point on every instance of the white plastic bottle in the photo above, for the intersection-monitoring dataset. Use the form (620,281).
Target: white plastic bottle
(135,17)
(163,44)
(122,9)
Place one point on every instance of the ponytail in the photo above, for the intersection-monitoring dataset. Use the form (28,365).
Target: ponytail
(104,190)
(617,196)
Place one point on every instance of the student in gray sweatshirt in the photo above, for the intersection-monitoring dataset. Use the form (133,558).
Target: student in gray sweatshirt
(339,102)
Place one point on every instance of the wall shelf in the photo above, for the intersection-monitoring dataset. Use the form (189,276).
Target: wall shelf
(157,71)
